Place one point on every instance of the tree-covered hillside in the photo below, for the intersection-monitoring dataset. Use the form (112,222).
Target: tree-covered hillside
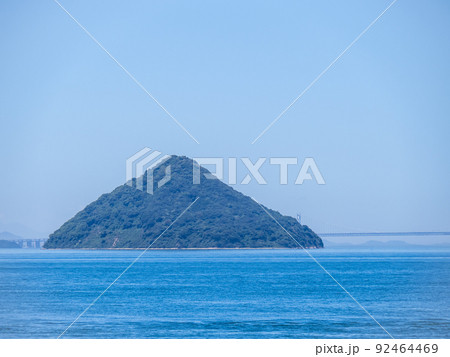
(221,218)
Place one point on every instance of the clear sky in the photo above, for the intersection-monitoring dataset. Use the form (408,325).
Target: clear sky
(377,123)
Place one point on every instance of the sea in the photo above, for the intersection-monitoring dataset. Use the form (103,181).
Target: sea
(258,294)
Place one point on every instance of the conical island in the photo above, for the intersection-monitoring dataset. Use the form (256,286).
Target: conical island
(222,217)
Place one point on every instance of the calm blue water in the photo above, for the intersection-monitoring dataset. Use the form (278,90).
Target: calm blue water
(224,294)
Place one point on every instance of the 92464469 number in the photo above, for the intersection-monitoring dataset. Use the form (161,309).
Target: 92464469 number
(406,348)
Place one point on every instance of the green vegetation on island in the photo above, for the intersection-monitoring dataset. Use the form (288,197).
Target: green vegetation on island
(221,218)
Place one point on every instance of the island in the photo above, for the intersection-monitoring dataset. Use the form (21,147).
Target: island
(222,217)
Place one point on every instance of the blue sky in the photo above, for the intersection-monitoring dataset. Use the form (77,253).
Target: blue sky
(377,123)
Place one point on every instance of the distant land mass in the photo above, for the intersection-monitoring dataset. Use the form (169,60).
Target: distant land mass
(8,244)
(221,218)
(380,245)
